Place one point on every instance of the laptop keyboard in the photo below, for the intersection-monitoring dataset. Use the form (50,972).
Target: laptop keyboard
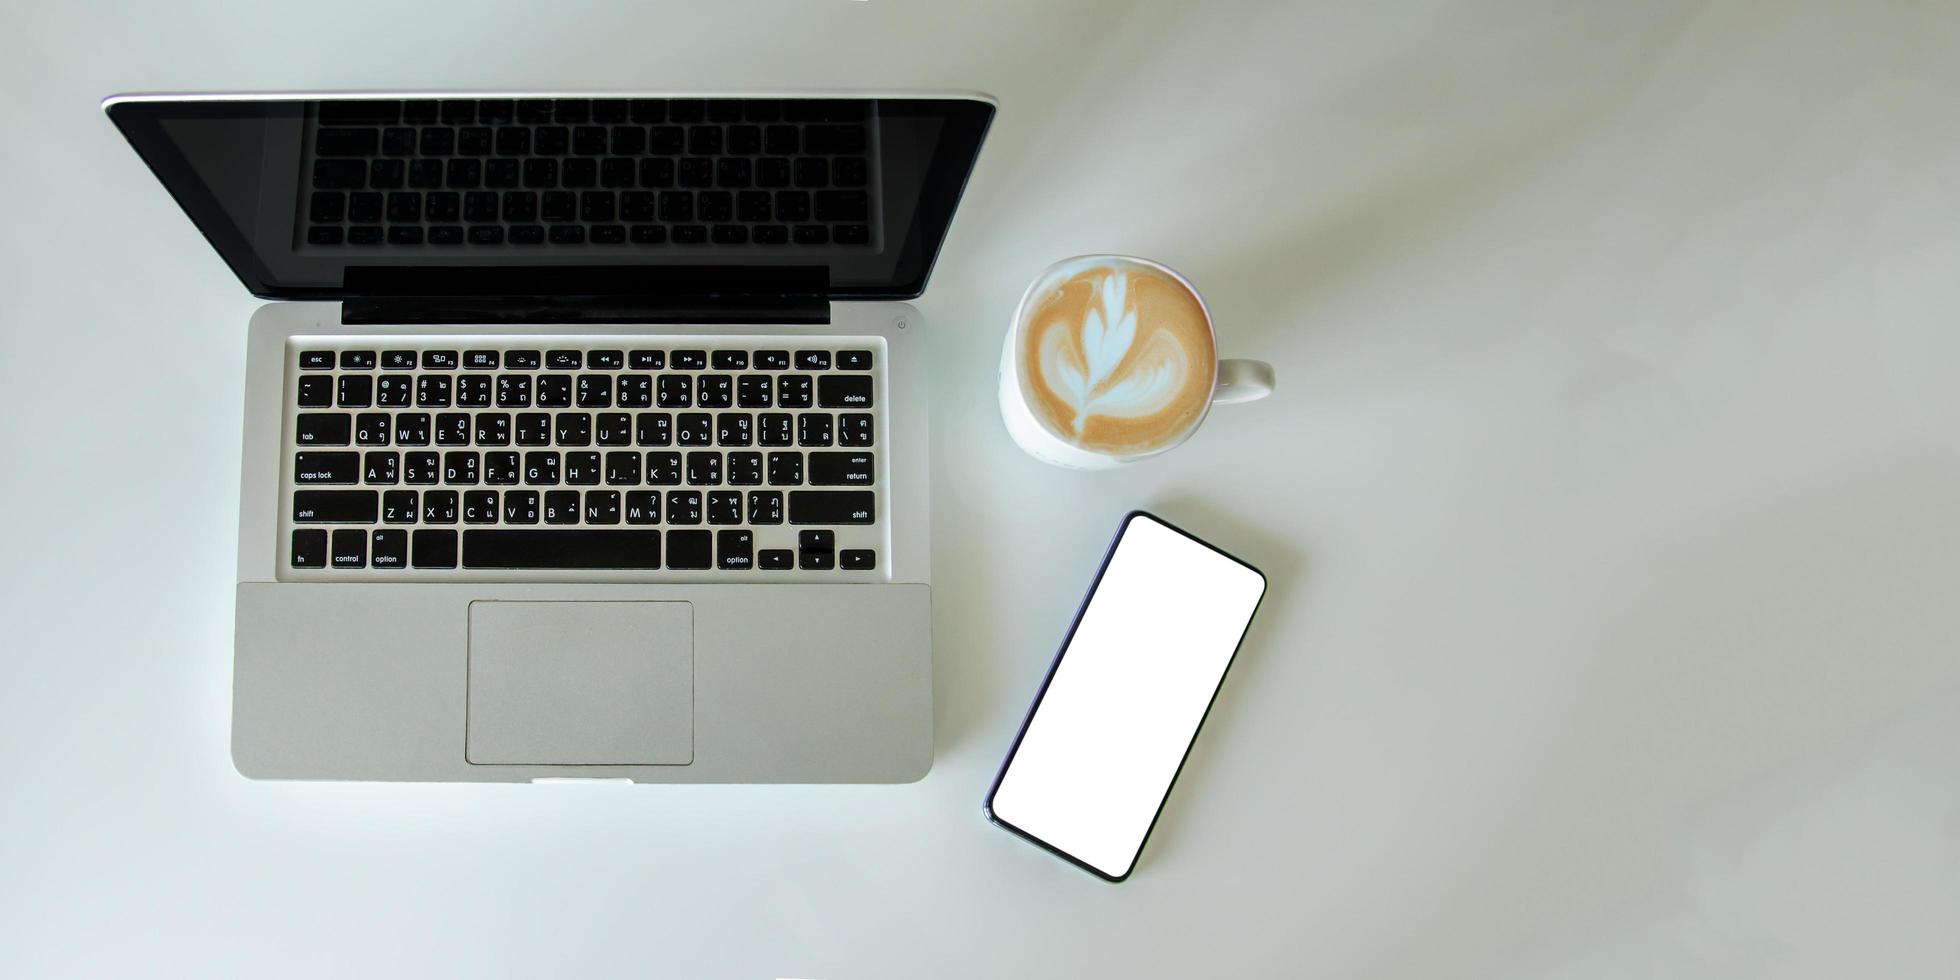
(709,458)
(462,174)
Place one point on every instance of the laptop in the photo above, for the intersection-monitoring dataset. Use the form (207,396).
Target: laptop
(585,436)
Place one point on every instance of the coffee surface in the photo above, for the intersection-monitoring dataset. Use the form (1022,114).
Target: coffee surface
(1116,357)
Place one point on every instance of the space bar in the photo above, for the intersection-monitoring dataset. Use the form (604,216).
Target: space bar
(561,549)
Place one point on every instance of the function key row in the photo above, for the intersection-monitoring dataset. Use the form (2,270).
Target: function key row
(598,360)
(586,391)
(850,429)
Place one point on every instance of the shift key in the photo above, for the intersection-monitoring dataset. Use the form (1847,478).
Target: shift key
(336,506)
(832,507)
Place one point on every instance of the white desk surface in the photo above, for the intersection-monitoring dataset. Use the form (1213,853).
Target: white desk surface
(1610,498)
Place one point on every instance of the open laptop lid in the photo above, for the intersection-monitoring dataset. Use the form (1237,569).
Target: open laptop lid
(605,198)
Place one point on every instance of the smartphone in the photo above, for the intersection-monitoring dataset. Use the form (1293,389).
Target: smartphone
(1121,706)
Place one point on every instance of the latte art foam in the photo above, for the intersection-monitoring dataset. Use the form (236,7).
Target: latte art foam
(1117,357)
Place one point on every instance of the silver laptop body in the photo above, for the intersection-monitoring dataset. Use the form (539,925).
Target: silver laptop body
(645,502)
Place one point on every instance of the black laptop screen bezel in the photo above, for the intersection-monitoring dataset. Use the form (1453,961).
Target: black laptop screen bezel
(963,121)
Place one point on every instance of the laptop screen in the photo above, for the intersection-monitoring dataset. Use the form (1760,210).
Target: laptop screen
(341,198)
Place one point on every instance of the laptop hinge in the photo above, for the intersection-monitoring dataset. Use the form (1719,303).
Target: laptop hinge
(582,309)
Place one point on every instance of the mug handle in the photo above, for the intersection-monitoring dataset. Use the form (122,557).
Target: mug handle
(1242,380)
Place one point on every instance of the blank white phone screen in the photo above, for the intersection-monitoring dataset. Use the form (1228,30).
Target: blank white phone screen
(1127,696)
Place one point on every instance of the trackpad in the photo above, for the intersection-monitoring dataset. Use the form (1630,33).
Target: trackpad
(581,684)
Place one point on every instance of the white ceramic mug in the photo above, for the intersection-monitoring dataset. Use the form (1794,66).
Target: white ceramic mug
(1233,380)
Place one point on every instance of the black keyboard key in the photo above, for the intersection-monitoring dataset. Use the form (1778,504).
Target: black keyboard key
(841,469)
(690,549)
(602,507)
(521,507)
(473,390)
(647,360)
(309,548)
(635,391)
(694,429)
(832,507)
(315,360)
(439,507)
(356,391)
(435,548)
(664,469)
(316,391)
(393,391)
(704,469)
(857,559)
(775,559)
(582,469)
(327,468)
(501,469)
(381,469)
(786,469)
(480,359)
(675,391)
(613,429)
(690,360)
(440,360)
(642,507)
(733,549)
(765,507)
(715,391)
(421,468)
(412,429)
(775,429)
(398,360)
(812,360)
(816,550)
(752,391)
(844,391)
(364,235)
(335,506)
(772,360)
(683,507)
(325,236)
(554,391)
(563,360)
(452,429)
(653,429)
(622,468)
(339,174)
(371,428)
(405,235)
(480,507)
(328,206)
(605,360)
(725,507)
(793,391)
(574,429)
(612,548)
(734,429)
(561,506)
(358,111)
(446,235)
(533,429)
(493,429)
(513,391)
(594,391)
(389,549)
(744,469)
(854,429)
(336,141)
(854,360)
(460,469)
(349,548)
(813,429)
(523,360)
(324,429)
(356,360)
(398,141)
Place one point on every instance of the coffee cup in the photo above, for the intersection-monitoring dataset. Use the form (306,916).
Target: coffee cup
(1112,359)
